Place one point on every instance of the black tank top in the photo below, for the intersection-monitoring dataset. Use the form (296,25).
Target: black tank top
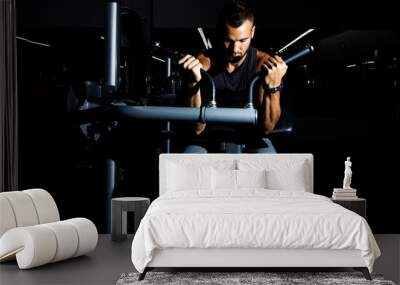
(232,88)
(232,92)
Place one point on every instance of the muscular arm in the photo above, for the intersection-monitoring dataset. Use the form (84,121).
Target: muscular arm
(269,109)
(268,105)
(194,99)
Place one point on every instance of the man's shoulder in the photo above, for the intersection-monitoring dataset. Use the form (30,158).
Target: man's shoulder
(262,55)
(261,58)
(205,60)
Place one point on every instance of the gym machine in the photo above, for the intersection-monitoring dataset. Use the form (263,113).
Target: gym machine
(113,110)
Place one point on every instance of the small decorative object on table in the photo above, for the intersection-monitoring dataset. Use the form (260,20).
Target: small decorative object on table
(345,193)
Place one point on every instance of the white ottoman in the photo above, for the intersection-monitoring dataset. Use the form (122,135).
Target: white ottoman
(31,231)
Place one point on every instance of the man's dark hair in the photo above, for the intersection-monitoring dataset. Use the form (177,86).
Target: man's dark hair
(234,13)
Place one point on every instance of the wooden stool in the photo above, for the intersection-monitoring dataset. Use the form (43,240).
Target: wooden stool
(119,208)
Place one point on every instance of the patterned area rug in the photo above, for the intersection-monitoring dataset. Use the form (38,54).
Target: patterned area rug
(243,278)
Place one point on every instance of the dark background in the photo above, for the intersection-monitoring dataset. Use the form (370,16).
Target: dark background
(344,98)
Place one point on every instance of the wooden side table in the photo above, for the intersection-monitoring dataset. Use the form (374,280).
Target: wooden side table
(358,205)
(119,209)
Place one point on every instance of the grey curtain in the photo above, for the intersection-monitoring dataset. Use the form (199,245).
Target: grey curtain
(8,97)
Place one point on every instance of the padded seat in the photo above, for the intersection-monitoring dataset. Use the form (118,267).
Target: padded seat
(31,231)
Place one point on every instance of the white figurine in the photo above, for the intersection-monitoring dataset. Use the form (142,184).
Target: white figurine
(347,174)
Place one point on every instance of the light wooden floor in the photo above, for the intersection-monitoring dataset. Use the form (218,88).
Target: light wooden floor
(111,259)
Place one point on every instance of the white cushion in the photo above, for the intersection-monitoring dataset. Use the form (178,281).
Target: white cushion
(40,244)
(34,244)
(290,179)
(281,174)
(23,208)
(237,179)
(169,173)
(87,233)
(26,208)
(188,177)
(45,205)
(224,179)
(7,218)
(67,240)
(251,178)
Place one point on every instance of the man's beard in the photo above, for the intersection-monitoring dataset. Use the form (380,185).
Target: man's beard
(236,59)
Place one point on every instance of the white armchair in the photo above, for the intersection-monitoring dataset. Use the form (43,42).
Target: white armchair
(31,230)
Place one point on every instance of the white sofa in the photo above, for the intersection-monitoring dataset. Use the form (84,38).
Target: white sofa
(31,231)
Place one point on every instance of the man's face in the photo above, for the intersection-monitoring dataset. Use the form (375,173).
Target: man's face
(237,41)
